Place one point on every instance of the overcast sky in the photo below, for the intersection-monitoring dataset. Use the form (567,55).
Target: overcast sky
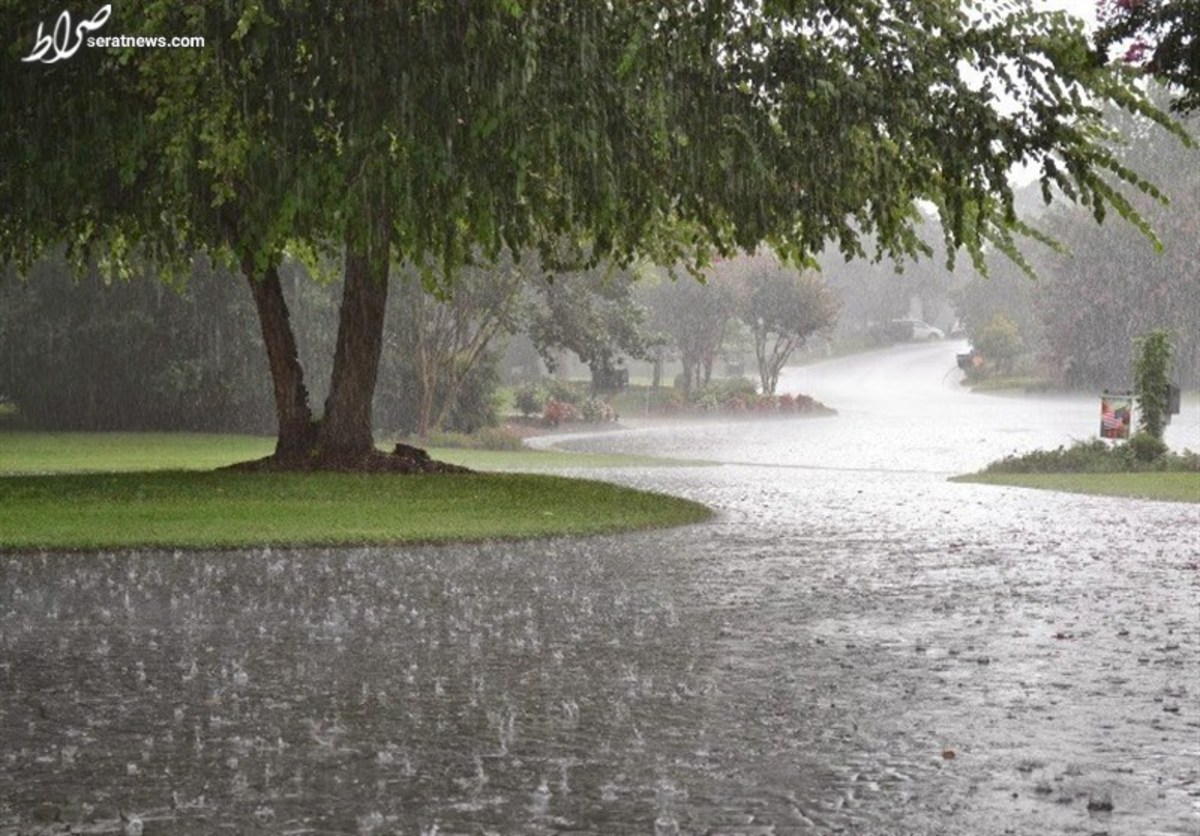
(1085,9)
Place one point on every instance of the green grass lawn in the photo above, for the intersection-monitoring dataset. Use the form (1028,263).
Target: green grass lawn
(1172,487)
(1011,384)
(29,453)
(94,491)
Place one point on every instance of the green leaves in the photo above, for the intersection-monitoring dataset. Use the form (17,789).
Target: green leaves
(1151,380)
(1158,36)
(643,128)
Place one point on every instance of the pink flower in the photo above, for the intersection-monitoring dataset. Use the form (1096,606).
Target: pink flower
(1136,52)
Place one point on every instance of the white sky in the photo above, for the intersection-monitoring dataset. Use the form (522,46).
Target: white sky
(1085,9)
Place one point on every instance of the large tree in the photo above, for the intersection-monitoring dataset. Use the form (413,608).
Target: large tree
(439,350)
(694,318)
(440,132)
(782,307)
(592,314)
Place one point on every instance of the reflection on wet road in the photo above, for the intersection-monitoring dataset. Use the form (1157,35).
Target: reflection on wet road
(854,645)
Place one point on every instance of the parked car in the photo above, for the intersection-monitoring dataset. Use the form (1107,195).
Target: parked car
(918,330)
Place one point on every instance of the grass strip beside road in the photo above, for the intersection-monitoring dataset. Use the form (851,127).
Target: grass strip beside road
(182,509)
(533,461)
(1167,487)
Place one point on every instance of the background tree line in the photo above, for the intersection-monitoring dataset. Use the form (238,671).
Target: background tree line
(1076,324)
(94,354)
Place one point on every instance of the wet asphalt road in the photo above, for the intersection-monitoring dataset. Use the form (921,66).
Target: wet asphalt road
(854,645)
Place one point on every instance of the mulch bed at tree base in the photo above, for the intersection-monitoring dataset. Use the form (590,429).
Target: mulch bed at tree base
(402,459)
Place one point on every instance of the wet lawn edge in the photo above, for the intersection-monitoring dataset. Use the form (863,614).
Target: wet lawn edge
(1154,485)
(225,510)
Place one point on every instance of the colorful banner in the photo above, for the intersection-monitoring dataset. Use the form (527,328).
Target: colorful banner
(1116,414)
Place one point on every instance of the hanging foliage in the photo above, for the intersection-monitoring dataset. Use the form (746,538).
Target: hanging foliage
(441,132)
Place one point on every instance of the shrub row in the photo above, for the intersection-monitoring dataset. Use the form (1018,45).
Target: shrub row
(560,402)
(1141,453)
(739,405)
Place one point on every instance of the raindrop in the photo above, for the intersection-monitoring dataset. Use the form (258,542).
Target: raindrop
(133,825)
(571,712)
(541,801)
(370,823)
(664,796)
(666,825)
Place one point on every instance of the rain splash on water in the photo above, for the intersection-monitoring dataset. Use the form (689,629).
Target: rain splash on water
(853,645)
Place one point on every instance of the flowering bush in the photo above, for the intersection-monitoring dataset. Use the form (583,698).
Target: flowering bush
(596,411)
(559,412)
(589,410)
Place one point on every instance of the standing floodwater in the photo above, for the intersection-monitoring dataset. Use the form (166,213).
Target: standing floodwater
(854,645)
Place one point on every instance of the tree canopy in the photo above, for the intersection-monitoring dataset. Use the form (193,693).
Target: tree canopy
(693,318)
(443,132)
(1161,36)
(592,314)
(1131,288)
(782,308)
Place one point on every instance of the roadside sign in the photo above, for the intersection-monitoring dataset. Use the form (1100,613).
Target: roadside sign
(1116,414)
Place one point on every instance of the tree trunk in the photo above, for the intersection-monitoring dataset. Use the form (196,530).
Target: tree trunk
(296,430)
(342,440)
(760,355)
(688,363)
(426,375)
(346,428)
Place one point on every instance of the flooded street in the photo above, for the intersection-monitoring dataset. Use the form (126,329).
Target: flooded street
(854,645)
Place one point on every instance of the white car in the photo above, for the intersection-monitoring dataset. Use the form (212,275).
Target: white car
(919,330)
